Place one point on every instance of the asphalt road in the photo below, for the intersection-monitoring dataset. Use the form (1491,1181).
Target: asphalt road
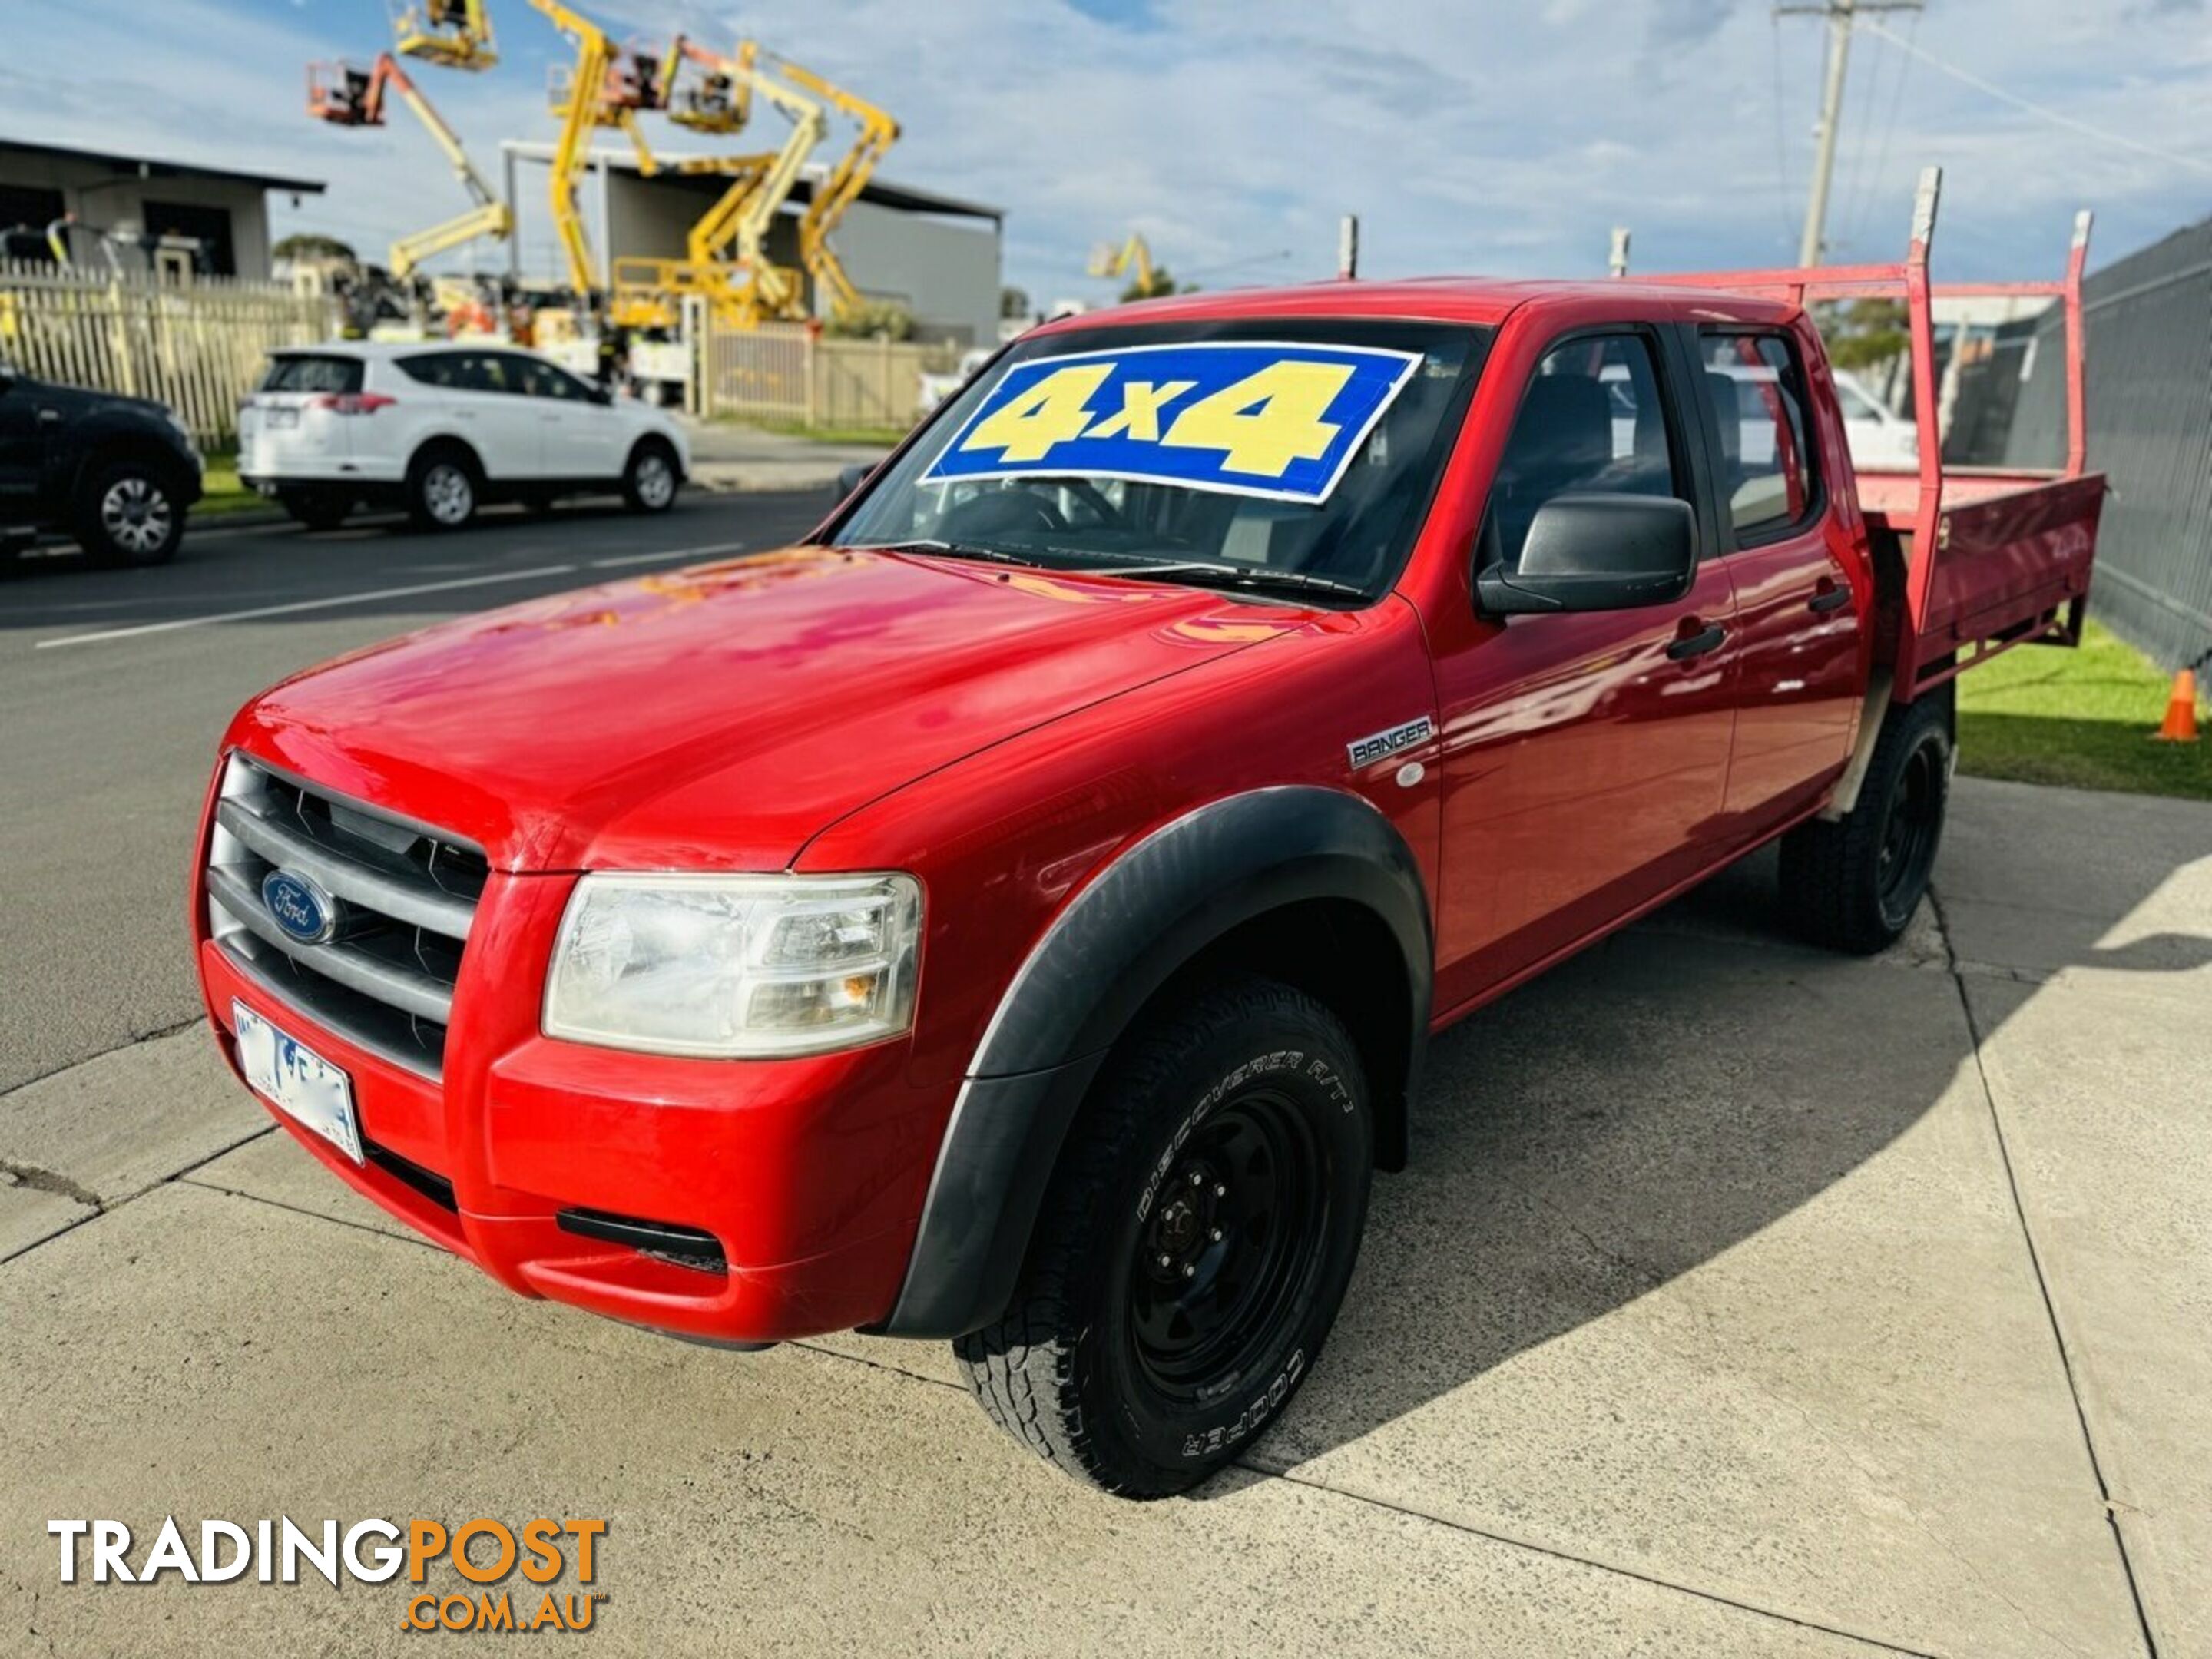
(115,685)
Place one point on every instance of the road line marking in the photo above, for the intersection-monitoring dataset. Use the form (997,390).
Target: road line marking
(669,553)
(297,606)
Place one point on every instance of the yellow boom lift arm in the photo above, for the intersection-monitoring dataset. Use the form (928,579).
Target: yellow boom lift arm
(835,194)
(349,97)
(1134,254)
(606,88)
(727,260)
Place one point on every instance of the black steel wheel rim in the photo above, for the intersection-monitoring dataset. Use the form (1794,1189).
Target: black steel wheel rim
(1908,838)
(1229,1253)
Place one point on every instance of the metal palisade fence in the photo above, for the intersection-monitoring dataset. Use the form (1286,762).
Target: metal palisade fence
(2149,347)
(197,347)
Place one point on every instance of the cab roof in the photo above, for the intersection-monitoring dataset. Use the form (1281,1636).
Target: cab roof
(1487,301)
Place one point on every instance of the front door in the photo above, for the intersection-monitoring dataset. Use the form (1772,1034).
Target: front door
(22,447)
(497,413)
(579,432)
(1585,755)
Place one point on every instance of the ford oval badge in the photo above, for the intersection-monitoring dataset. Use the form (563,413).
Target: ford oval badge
(299,906)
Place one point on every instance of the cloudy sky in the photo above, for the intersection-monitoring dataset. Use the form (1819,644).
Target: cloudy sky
(1469,135)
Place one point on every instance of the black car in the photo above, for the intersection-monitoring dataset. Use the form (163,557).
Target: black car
(118,473)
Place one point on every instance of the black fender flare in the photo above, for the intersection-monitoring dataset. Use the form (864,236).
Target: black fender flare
(1123,937)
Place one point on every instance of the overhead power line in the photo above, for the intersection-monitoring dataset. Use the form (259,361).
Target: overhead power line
(2058,117)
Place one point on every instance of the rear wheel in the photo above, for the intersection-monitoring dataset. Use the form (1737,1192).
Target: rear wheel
(1852,884)
(128,512)
(442,487)
(315,509)
(649,479)
(1195,1246)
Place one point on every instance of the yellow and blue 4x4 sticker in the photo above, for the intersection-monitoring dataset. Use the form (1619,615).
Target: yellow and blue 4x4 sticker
(1275,419)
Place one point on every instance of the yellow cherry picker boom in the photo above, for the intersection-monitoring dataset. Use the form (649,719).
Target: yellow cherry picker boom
(608,86)
(727,261)
(348,96)
(833,196)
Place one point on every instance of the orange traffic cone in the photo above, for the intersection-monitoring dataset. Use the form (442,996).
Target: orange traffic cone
(2180,726)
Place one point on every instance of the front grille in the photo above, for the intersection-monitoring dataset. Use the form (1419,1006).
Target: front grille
(405,896)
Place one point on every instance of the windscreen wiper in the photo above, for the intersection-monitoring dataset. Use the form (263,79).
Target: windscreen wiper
(948,550)
(1207,571)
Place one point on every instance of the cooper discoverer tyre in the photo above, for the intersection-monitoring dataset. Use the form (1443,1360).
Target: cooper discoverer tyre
(1194,1245)
(1852,884)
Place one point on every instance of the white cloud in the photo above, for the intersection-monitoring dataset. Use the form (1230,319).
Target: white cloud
(1468,138)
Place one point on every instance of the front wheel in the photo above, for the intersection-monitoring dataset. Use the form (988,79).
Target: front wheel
(1195,1246)
(1853,883)
(128,514)
(649,480)
(442,490)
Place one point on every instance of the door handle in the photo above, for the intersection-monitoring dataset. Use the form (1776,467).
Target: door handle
(1696,645)
(1828,597)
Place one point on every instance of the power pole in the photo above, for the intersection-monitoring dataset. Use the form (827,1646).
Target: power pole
(1840,15)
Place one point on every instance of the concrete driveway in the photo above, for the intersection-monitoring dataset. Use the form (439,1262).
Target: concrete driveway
(1741,1300)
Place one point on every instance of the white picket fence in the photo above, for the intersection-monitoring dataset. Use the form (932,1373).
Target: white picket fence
(197,346)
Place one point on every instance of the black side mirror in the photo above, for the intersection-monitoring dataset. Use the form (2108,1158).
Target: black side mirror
(1597,553)
(852,477)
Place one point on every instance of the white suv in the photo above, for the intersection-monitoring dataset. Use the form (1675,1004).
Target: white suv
(440,428)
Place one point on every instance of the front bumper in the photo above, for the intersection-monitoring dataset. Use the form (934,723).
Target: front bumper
(808,1173)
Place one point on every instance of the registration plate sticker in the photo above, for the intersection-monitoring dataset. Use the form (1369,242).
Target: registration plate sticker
(296,1080)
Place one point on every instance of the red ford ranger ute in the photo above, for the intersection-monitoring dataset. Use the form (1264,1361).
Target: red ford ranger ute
(1017,913)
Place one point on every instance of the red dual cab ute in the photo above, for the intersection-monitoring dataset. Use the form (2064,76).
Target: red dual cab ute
(1017,913)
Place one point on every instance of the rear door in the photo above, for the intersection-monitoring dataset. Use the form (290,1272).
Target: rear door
(291,425)
(1797,623)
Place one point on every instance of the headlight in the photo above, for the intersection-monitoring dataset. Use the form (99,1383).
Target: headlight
(735,965)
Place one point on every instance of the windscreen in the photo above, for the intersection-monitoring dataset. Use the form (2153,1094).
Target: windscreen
(1258,454)
(308,373)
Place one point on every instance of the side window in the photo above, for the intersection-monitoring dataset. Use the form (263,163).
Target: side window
(543,380)
(1592,421)
(433,368)
(1756,388)
(491,371)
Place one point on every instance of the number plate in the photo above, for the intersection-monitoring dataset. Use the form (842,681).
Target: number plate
(1271,419)
(296,1080)
(281,418)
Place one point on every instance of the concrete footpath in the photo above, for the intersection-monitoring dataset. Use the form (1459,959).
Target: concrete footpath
(1741,1300)
(729,457)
